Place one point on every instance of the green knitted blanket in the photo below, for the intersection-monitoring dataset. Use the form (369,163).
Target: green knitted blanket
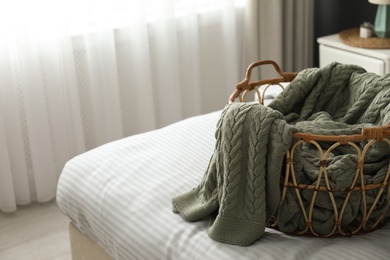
(241,186)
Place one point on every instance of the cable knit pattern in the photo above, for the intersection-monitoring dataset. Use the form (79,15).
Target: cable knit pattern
(232,150)
(242,181)
(237,174)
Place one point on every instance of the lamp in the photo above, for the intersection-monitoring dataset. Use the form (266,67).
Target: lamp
(382,19)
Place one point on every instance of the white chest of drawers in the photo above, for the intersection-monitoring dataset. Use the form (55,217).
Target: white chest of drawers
(373,60)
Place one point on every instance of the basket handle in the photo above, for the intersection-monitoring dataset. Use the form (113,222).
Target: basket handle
(245,85)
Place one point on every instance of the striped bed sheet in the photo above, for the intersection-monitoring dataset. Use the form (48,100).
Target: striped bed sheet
(120,195)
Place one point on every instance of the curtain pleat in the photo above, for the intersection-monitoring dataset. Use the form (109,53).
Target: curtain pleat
(78,74)
(298,34)
(7,198)
(284,33)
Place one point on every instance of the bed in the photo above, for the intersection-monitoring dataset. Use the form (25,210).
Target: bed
(118,198)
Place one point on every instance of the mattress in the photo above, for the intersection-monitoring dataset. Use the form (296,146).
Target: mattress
(119,195)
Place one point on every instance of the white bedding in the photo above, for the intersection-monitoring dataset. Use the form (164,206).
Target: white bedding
(120,196)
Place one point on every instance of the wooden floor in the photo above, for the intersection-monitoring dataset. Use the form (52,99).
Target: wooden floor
(36,232)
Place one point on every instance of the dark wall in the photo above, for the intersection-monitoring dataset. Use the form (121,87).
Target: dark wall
(333,16)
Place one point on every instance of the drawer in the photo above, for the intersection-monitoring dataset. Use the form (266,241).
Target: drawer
(329,54)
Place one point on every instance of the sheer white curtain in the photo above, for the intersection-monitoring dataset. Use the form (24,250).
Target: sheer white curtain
(76,74)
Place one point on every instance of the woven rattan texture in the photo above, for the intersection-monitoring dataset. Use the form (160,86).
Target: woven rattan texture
(351,37)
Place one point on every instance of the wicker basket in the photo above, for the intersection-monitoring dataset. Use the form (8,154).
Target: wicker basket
(366,222)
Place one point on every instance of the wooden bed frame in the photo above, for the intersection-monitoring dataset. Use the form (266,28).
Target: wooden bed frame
(84,248)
